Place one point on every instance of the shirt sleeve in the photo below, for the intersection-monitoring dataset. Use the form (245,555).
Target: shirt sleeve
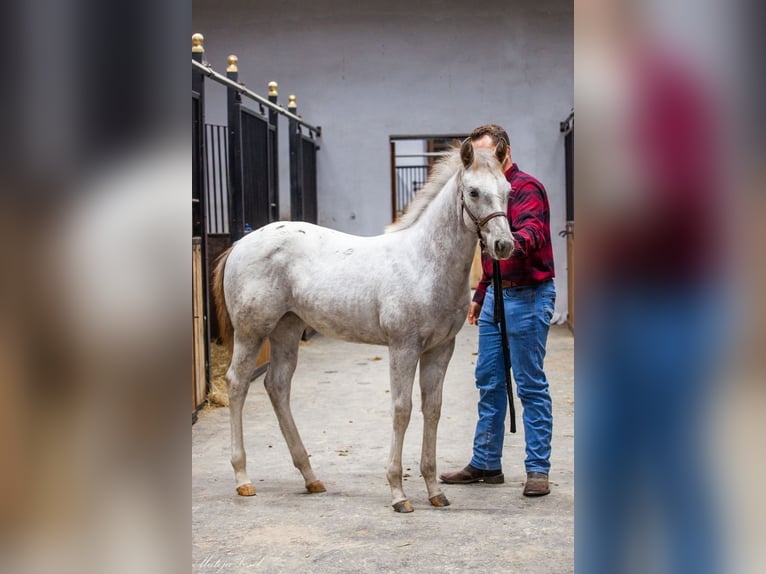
(528,210)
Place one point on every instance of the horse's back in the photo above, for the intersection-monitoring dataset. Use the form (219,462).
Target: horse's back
(320,274)
(296,249)
(361,289)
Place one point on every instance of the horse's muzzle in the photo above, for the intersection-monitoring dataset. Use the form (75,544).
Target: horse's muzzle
(502,248)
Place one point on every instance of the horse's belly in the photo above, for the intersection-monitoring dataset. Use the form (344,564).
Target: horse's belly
(347,332)
(445,331)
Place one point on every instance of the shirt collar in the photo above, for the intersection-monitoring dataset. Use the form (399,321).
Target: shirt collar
(513,170)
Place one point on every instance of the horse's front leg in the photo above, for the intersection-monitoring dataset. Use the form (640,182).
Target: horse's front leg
(403,362)
(433,366)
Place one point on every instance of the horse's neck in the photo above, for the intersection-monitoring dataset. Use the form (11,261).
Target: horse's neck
(440,234)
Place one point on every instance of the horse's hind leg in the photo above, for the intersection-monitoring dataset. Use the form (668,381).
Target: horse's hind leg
(285,340)
(244,357)
(433,366)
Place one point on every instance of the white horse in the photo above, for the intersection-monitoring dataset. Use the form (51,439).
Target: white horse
(407,289)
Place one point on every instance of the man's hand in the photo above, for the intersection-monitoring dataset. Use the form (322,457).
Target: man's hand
(473,313)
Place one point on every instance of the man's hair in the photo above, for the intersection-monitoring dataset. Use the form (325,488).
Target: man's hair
(494,131)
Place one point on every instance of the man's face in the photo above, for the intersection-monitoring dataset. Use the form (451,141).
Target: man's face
(486,142)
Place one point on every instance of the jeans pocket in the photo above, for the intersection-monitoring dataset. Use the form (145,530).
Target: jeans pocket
(548,301)
(549,314)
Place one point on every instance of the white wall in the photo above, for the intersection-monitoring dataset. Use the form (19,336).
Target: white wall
(365,71)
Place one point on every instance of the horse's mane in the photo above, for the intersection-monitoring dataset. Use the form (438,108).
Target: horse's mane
(442,170)
(440,174)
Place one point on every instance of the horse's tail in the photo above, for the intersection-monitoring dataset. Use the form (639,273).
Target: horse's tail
(225,327)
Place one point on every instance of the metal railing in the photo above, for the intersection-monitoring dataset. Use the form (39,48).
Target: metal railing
(409,180)
(251,190)
(208,71)
(411,159)
(217,162)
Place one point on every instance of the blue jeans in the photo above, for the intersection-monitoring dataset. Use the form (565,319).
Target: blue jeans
(528,313)
(647,361)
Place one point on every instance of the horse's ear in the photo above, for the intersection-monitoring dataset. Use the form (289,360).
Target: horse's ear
(501,150)
(466,152)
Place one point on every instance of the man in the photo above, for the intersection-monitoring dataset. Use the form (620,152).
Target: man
(662,285)
(529,297)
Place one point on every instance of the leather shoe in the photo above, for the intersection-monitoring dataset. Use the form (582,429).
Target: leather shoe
(471,474)
(537,484)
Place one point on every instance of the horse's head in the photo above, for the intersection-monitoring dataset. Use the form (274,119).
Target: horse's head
(483,193)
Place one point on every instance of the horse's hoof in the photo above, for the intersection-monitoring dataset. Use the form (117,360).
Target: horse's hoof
(246,490)
(315,487)
(439,500)
(404,506)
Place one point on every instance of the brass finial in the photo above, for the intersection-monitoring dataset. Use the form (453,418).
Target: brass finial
(197,40)
(232,61)
(291,104)
(273,89)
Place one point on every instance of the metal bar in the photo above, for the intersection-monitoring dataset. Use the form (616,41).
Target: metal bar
(212,218)
(225,172)
(569,173)
(407,196)
(221,166)
(273,150)
(198,86)
(296,172)
(213,179)
(424,154)
(211,73)
(459,137)
(308,171)
(236,197)
(568,124)
(394,182)
(215,139)
(413,168)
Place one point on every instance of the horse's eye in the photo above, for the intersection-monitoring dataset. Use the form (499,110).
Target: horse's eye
(473,192)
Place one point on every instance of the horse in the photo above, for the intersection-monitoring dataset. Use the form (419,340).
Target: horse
(407,288)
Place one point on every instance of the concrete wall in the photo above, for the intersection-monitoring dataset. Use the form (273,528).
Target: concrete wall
(367,70)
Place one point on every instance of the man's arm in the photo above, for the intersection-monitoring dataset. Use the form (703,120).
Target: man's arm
(486,279)
(529,210)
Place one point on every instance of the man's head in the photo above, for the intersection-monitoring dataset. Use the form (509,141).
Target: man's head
(488,136)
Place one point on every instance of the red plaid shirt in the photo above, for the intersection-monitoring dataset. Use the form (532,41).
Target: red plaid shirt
(529,214)
(677,235)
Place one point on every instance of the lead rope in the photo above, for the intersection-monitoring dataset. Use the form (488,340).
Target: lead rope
(500,318)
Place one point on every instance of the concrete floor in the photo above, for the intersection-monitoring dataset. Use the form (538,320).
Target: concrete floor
(341,404)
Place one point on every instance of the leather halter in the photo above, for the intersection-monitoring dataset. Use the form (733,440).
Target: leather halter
(479,223)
